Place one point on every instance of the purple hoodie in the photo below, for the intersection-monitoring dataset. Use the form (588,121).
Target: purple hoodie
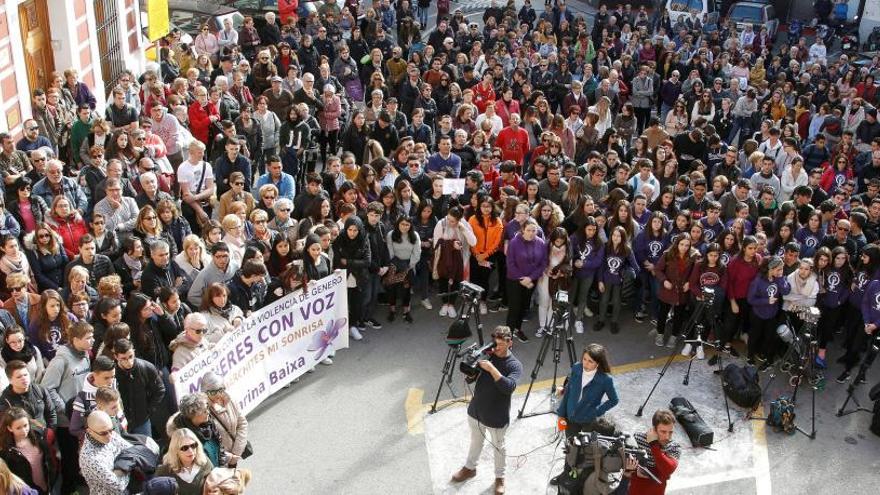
(860,282)
(836,290)
(711,233)
(809,241)
(871,303)
(614,267)
(526,258)
(649,249)
(760,291)
(592,254)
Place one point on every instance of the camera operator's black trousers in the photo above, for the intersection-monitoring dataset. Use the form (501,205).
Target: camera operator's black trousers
(519,299)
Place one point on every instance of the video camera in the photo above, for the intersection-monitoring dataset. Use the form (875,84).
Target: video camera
(561,297)
(708,294)
(586,476)
(470,291)
(470,357)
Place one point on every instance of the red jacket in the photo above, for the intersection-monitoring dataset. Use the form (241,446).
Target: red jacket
(504,110)
(664,466)
(677,272)
(740,275)
(200,120)
(483,95)
(70,230)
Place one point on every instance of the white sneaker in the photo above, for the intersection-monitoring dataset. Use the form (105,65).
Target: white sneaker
(426,303)
(578,327)
(327,361)
(540,332)
(686,351)
(355,333)
(451,312)
(658,340)
(444,310)
(587,312)
(483,309)
(700,354)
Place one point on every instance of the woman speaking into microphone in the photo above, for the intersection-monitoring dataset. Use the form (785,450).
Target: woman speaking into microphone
(588,384)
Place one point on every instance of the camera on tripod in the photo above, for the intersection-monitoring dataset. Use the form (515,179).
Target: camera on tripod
(708,294)
(470,291)
(561,297)
(471,356)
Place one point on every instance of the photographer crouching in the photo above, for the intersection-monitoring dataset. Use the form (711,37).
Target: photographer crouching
(489,410)
(582,404)
(662,456)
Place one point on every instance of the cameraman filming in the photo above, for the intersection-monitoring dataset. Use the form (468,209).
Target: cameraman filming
(489,409)
(662,459)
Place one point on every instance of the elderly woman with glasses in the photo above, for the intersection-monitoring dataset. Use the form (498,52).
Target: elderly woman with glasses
(195,415)
(190,343)
(187,462)
(232,424)
(68,224)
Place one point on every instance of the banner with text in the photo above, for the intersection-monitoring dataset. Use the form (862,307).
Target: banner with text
(275,344)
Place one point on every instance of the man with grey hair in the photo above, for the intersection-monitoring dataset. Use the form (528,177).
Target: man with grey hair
(309,95)
(120,212)
(55,182)
(97,456)
(191,342)
(150,193)
(161,270)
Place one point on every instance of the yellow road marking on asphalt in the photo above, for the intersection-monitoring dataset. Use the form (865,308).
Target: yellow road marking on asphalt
(416,410)
(761,455)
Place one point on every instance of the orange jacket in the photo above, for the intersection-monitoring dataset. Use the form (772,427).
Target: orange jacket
(488,239)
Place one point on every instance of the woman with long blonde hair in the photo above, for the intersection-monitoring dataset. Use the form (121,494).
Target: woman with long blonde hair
(11,484)
(186,462)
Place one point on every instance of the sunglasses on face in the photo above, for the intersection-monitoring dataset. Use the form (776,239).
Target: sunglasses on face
(187,448)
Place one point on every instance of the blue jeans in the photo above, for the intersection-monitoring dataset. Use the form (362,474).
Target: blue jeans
(144,429)
(646,293)
(422,14)
(371,296)
(664,109)
(743,125)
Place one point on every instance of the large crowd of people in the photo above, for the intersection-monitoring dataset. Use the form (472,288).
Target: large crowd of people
(633,160)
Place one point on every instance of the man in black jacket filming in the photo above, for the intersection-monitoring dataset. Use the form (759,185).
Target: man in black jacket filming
(489,410)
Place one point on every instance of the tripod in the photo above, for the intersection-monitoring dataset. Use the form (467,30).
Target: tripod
(558,329)
(693,323)
(801,349)
(873,350)
(466,310)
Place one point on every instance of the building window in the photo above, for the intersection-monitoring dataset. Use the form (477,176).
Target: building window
(109,43)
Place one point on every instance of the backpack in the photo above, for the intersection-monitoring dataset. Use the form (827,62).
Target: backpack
(740,383)
(781,415)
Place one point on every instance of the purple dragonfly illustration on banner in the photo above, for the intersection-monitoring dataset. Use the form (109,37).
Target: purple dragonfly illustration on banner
(322,341)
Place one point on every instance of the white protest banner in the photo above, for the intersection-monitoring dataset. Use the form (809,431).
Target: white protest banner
(275,344)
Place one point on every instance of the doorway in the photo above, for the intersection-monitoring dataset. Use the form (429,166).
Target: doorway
(36,40)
